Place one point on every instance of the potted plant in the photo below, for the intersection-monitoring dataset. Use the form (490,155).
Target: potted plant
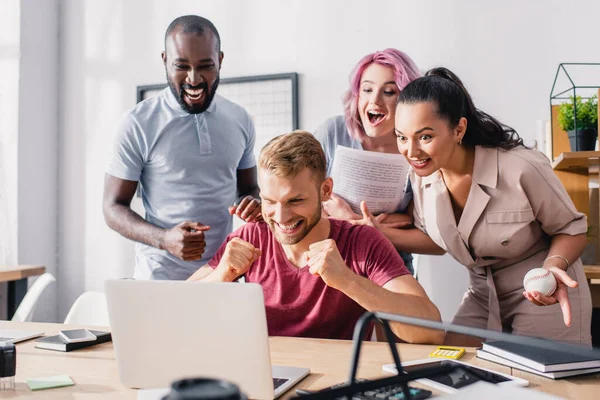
(583,134)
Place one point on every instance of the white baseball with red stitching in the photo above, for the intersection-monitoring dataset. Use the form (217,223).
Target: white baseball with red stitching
(540,280)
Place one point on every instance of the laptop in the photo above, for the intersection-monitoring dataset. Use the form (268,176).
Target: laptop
(17,335)
(167,330)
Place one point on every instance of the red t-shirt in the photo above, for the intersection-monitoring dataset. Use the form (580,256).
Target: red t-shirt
(301,304)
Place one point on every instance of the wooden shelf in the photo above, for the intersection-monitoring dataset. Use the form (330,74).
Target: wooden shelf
(592,271)
(576,160)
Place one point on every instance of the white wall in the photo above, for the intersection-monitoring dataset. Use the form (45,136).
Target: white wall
(506,51)
(10,28)
(38,143)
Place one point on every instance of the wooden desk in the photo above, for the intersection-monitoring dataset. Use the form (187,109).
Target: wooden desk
(16,276)
(95,373)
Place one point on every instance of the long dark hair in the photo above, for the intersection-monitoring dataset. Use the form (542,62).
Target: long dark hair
(443,88)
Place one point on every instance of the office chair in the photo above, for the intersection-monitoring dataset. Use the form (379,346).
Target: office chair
(89,309)
(26,309)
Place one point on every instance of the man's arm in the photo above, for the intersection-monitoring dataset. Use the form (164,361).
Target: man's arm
(237,258)
(185,240)
(247,206)
(401,295)
(203,273)
(247,183)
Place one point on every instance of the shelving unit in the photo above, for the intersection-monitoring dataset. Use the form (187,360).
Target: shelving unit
(579,172)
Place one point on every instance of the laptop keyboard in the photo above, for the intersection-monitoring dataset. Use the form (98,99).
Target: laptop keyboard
(278,382)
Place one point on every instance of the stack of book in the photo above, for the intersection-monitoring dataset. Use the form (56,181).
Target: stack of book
(549,363)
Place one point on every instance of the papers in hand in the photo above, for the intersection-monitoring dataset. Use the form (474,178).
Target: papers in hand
(380,179)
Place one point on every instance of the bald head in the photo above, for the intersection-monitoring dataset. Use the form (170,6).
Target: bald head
(193,24)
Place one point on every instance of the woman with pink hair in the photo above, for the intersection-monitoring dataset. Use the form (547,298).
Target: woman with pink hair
(368,124)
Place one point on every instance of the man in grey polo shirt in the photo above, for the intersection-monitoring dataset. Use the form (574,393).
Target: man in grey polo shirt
(192,153)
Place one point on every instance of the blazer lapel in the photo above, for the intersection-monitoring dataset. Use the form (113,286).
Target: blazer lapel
(476,204)
(439,203)
(485,173)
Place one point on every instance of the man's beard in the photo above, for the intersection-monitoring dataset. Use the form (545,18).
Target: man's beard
(196,108)
(297,238)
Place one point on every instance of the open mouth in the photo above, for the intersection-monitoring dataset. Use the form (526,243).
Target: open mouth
(420,163)
(193,94)
(375,117)
(289,228)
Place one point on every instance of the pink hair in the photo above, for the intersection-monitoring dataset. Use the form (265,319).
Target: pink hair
(405,71)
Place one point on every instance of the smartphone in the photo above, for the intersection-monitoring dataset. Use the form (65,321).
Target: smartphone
(77,335)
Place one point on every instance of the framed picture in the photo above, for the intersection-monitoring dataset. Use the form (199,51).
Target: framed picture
(147,91)
(271,101)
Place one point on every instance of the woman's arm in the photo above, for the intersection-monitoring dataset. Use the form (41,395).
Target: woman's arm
(564,250)
(410,240)
(558,217)
(568,248)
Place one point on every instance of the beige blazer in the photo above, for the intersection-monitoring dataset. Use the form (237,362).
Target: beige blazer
(515,204)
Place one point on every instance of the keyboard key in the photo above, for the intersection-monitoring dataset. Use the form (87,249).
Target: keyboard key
(278,382)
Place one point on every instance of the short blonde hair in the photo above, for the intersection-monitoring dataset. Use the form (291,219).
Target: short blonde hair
(287,155)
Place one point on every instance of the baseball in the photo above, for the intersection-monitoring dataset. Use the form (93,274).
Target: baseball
(540,280)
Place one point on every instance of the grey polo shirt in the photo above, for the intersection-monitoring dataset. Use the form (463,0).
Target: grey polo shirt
(187,166)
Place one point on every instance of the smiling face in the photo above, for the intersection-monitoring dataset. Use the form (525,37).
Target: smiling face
(292,206)
(192,63)
(377,100)
(425,139)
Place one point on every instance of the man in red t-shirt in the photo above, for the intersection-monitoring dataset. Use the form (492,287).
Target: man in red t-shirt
(319,275)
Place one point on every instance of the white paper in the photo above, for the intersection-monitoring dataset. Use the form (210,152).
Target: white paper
(380,179)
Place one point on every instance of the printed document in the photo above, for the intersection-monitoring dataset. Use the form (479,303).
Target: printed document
(380,179)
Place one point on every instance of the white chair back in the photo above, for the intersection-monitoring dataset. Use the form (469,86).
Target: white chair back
(24,312)
(89,309)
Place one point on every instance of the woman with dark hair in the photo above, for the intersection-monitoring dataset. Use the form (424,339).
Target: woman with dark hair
(368,124)
(497,207)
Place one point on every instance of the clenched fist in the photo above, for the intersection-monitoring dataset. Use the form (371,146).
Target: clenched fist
(325,260)
(237,259)
(185,240)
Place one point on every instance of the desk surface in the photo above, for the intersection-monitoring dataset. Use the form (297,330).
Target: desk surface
(16,272)
(94,369)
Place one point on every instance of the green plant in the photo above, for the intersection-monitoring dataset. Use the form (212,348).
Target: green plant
(587,114)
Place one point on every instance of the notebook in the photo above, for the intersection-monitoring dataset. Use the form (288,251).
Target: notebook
(484,355)
(540,360)
(168,330)
(59,344)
